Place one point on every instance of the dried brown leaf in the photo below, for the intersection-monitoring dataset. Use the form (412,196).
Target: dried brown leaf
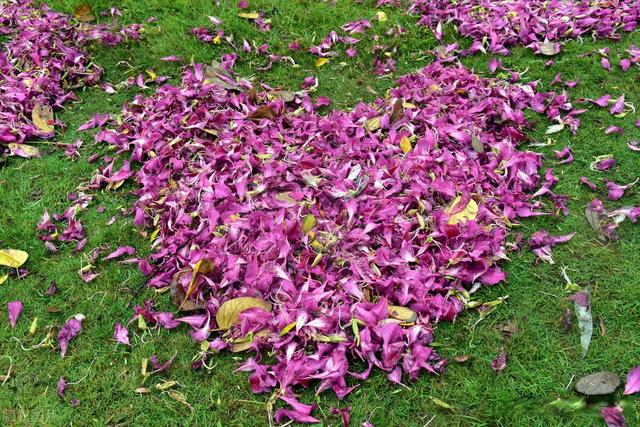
(83,13)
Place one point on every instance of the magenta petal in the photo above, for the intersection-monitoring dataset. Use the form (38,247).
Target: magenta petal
(61,386)
(121,334)
(122,250)
(14,308)
(633,381)
(591,185)
(68,331)
(500,362)
(613,416)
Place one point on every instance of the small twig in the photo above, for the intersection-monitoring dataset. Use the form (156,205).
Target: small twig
(429,422)
(570,381)
(6,377)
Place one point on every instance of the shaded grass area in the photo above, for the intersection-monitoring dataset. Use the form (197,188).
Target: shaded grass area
(542,357)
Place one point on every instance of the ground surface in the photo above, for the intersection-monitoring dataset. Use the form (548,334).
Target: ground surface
(542,357)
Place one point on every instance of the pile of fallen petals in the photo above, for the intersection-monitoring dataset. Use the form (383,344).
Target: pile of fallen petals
(41,63)
(495,25)
(348,235)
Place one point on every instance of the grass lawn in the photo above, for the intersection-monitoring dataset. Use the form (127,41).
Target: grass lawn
(543,358)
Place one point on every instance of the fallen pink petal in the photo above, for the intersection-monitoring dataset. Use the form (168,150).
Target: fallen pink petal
(14,308)
(68,331)
(633,381)
(121,334)
(613,416)
(500,362)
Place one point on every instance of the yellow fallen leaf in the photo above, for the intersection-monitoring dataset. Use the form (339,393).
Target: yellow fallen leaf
(308,222)
(217,39)
(228,312)
(249,15)
(152,75)
(13,258)
(470,212)
(34,326)
(373,124)
(42,116)
(321,61)
(405,144)
(403,314)
(3,278)
(381,16)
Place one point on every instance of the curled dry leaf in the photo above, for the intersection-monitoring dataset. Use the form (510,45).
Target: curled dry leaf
(13,258)
(398,111)
(263,112)
(228,312)
(42,116)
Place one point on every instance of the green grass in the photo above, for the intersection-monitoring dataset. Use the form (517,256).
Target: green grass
(542,358)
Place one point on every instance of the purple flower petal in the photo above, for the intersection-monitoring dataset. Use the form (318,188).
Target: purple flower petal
(61,386)
(122,250)
(14,308)
(68,331)
(121,334)
(633,381)
(613,416)
(500,362)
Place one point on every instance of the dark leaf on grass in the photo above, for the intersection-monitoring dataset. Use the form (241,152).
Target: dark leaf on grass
(52,289)
(509,329)
(598,384)
(567,320)
(53,309)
